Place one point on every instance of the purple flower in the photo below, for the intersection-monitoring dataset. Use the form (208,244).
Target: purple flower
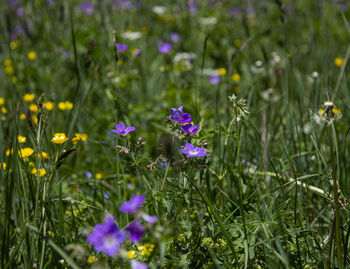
(180,117)
(136,52)
(138,265)
(149,219)
(192,7)
(88,8)
(20,11)
(136,231)
(122,129)
(193,151)
(88,174)
(121,47)
(214,80)
(174,37)
(133,204)
(189,128)
(107,237)
(164,48)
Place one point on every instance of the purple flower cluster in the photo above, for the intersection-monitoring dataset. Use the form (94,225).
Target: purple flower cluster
(180,117)
(106,237)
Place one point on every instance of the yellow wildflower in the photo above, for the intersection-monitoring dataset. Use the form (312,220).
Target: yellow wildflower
(35,119)
(41,172)
(8,62)
(48,105)
(33,108)
(98,175)
(44,155)
(92,259)
(339,61)
(21,139)
(3,166)
(9,70)
(9,151)
(28,97)
(131,254)
(14,79)
(25,152)
(222,71)
(22,116)
(14,44)
(146,249)
(3,110)
(65,105)
(2,101)
(78,137)
(49,233)
(236,77)
(31,56)
(59,138)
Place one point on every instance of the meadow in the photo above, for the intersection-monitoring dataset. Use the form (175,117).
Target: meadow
(174,134)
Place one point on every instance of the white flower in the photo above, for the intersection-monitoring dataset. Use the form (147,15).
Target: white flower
(210,72)
(131,35)
(159,10)
(206,21)
(183,56)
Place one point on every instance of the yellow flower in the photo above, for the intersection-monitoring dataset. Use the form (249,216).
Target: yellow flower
(21,139)
(8,62)
(44,155)
(35,119)
(26,152)
(131,254)
(33,108)
(22,116)
(41,172)
(222,71)
(49,233)
(9,151)
(78,137)
(339,61)
(14,79)
(14,44)
(146,249)
(3,110)
(65,105)
(9,70)
(236,77)
(98,175)
(29,97)
(3,166)
(59,138)
(2,101)
(31,56)
(92,259)
(48,105)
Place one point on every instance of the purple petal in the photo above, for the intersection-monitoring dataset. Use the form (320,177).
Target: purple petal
(120,126)
(138,265)
(189,147)
(136,231)
(184,151)
(130,129)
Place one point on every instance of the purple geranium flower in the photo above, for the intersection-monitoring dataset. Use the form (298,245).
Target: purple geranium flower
(214,80)
(189,128)
(122,129)
(121,47)
(136,52)
(138,265)
(174,37)
(133,204)
(107,237)
(88,8)
(164,48)
(193,151)
(136,231)
(180,117)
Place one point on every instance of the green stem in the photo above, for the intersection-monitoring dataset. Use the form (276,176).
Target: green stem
(336,202)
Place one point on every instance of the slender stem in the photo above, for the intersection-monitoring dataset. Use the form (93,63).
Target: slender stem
(336,202)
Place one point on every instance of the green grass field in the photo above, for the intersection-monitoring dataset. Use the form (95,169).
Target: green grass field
(239,153)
